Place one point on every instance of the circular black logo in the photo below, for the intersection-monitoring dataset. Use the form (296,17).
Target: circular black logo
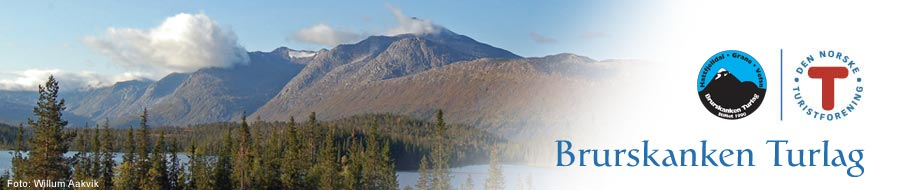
(731,84)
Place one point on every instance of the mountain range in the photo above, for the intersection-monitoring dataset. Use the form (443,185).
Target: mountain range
(415,75)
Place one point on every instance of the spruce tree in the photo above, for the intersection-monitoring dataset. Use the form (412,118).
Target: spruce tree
(95,153)
(200,175)
(107,164)
(388,174)
(424,175)
(292,174)
(143,162)
(326,164)
(194,163)
(81,160)
(176,173)
(495,171)
(157,176)
(311,136)
(273,156)
(371,161)
(128,177)
(20,162)
(351,165)
(440,157)
(46,159)
(129,150)
(5,177)
(224,165)
(242,159)
(378,167)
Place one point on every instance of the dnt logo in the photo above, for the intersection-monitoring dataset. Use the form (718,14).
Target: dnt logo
(828,85)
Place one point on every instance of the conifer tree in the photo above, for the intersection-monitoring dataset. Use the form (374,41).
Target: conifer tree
(378,168)
(311,136)
(19,162)
(107,164)
(194,162)
(200,177)
(267,164)
(386,168)
(242,159)
(46,160)
(440,157)
(351,165)
(176,173)
(143,163)
(5,177)
(95,153)
(495,171)
(224,163)
(326,164)
(128,177)
(424,175)
(292,174)
(157,175)
(81,168)
(371,161)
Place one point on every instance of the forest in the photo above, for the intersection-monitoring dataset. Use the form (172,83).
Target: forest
(358,152)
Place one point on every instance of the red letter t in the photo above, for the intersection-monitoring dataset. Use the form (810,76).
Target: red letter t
(827,74)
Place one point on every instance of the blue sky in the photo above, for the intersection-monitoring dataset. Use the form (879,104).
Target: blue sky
(50,35)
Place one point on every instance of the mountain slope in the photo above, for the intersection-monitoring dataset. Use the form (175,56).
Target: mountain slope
(413,75)
(505,96)
(207,95)
(373,59)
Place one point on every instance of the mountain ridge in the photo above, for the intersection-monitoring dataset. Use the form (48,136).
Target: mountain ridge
(409,74)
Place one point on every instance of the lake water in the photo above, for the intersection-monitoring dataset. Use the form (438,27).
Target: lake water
(515,175)
(6,158)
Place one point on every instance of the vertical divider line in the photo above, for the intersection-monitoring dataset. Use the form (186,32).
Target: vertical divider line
(781,84)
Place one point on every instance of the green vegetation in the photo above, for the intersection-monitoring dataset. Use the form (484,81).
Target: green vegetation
(45,159)
(359,152)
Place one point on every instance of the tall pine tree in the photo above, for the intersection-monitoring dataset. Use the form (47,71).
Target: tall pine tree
(292,171)
(424,175)
(143,163)
(224,165)
(107,164)
(243,160)
(20,162)
(46,160)
(326,164)
(440,156)
(95,153)
(495,171)
(386,169)
(157,176)
(81,168)
(176,173)
(200,177)
(378,167)
(128,177)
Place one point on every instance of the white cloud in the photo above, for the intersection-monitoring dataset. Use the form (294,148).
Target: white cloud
(30,79)
(410,25)
(325,35)
(182,43)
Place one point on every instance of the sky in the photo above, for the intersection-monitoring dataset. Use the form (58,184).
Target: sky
(97,43)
